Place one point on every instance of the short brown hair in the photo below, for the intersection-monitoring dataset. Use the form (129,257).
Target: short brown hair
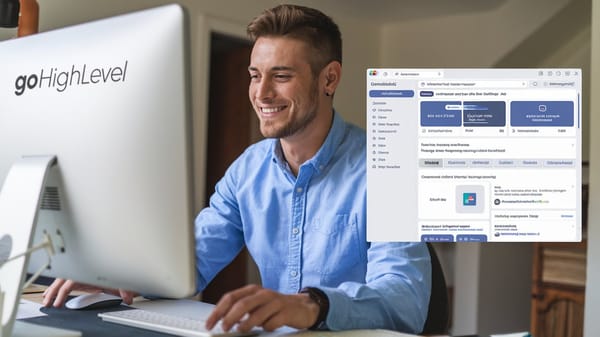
(305,24)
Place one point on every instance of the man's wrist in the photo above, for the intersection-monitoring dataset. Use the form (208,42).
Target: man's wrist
(321,299)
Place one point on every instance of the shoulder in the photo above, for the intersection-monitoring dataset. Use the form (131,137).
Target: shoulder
(353,145)
(253,157)
(355,135)
(259,150)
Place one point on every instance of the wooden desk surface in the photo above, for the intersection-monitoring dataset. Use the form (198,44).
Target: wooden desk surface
(34,293)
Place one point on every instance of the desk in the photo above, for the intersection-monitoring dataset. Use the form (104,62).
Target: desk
(88,322)
(91,326)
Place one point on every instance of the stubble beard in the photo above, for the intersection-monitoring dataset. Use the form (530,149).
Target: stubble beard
(297,125)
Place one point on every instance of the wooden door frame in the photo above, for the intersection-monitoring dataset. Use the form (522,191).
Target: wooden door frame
(236,274)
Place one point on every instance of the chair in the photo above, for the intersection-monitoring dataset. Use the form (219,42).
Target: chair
(438,311)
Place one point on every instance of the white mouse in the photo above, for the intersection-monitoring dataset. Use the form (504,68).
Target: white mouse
(93,301)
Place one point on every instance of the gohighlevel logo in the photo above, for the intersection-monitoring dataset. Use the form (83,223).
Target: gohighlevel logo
(78,75)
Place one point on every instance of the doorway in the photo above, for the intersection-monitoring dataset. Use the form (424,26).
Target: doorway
(232,127)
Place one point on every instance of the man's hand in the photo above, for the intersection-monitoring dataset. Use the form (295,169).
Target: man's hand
(253,305)
(57,292)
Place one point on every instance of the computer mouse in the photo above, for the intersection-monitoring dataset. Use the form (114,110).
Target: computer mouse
(93,301)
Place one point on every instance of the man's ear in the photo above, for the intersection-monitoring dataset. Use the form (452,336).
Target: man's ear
(332,73)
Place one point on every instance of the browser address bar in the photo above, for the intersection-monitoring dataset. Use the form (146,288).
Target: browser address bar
(456,84)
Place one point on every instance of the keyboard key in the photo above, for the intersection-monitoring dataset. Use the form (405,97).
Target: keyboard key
(172,324)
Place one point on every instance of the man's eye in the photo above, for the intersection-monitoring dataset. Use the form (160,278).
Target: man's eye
(282,76)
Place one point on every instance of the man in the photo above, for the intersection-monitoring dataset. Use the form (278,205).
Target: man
(297,201)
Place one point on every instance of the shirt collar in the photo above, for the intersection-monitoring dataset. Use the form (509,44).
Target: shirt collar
(320,160)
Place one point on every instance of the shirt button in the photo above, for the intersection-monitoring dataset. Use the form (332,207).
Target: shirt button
(293,273)
(295,230)
(299,190)
(321,167)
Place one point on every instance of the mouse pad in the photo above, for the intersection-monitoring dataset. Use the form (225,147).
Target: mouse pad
(88,322)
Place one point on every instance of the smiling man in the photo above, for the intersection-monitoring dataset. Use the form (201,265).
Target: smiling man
(284,91)
(297,201)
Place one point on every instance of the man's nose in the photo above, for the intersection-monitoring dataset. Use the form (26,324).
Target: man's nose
(264,90)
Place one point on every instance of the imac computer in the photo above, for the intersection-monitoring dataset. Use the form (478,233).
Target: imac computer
(95,157)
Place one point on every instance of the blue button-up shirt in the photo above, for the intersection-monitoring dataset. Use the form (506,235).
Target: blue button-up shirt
(310,230)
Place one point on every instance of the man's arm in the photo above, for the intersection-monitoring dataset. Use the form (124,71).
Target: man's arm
(218,231)
(395,295)
(254,305)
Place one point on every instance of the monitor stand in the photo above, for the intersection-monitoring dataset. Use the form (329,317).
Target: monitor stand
(19,203)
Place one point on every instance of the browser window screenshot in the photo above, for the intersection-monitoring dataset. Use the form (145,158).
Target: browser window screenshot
(473,155)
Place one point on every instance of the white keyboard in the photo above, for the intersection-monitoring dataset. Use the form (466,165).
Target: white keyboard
(172,324)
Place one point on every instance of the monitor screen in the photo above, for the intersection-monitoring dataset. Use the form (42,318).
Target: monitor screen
(474,154)
(109,99)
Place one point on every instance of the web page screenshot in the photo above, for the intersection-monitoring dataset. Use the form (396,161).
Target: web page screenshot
(473,155)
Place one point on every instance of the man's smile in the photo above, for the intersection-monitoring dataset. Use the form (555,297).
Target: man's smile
(272,110)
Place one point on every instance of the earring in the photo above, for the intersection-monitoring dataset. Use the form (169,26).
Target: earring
(327,94)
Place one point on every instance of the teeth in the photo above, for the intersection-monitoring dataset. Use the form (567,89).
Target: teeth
(271,110)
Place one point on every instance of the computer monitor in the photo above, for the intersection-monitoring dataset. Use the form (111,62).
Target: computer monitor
(106,105)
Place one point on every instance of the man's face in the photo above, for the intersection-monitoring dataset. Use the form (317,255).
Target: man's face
(283,89)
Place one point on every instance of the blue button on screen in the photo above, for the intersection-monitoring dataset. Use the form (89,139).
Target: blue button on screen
(391,93)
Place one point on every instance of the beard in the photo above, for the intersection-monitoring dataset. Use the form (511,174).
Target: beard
(269,129)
